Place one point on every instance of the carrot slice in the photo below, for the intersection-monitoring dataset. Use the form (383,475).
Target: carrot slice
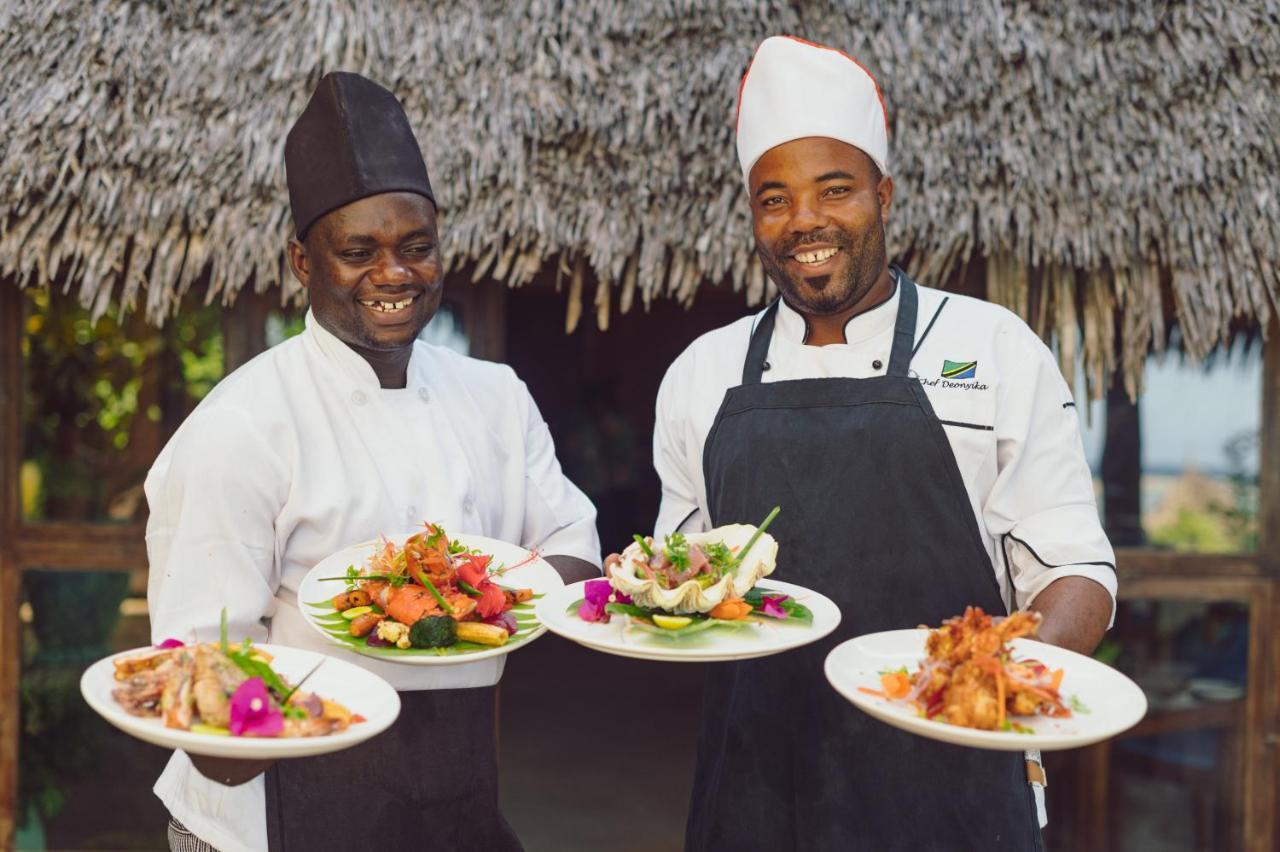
(1057,679)
(895,684)
(877,693)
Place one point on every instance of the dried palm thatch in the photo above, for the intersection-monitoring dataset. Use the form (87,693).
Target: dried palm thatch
(1108,167)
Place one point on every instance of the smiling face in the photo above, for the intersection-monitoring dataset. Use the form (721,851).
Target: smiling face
(818,208)
(372,270)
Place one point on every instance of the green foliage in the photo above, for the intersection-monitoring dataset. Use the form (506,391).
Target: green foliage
(1218,526)
(101,398)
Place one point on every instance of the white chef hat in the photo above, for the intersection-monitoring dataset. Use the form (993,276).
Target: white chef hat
(794,89)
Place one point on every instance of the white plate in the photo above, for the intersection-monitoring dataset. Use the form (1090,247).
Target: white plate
(1114,702)
(351,686)
(708,646)
(536,574)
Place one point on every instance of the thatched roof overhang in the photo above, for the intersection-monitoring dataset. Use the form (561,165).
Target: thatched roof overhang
(1102,165)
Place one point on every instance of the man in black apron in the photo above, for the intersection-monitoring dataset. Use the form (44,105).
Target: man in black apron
(875,511)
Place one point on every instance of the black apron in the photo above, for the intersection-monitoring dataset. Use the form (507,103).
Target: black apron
(430,781)
(876,517)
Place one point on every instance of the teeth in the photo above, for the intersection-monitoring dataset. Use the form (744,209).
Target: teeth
(388,307)
(815,256)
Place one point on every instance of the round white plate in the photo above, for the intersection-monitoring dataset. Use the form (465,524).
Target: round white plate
(351,686)
(314,595)
(1113,702)
(714,645)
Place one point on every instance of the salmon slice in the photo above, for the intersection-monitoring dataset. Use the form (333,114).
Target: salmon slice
(409,603)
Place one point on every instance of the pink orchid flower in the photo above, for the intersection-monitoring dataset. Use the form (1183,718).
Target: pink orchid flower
(252,712)
(772,606)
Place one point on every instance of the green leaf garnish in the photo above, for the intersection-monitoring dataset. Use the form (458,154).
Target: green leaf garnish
(644,545)
(676,549)
(1077,706)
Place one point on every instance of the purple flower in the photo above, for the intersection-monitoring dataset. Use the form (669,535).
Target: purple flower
(252,712)
(772,606)
(171,643)
(592,612)
(596,595)
(597,591)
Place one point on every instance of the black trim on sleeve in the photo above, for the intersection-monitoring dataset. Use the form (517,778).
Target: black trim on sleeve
(686,519)
(1032,551)
(928,328)
(967,425)
(1068,405)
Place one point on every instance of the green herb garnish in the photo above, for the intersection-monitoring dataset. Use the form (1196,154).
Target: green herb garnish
(756,535)
(720,557)
(676,549)
(644,545)
(1077,706)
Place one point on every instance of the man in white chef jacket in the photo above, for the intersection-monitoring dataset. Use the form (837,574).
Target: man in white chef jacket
(926,454)
(351,430)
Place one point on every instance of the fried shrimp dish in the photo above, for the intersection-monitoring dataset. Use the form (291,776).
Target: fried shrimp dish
(970,678)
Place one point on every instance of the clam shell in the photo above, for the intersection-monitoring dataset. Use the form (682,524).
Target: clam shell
(689,596)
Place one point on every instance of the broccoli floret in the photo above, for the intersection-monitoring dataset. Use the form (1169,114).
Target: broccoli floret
(433,631)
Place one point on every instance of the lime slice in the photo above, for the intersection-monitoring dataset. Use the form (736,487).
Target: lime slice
(198,728)
(355,612)
(672,622)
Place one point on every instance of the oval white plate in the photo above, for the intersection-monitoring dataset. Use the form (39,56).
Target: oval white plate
(1114,703)
(536,574)
(714,645)
(351,686)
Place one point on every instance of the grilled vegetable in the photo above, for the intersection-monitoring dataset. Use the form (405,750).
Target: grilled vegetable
(353,598)
(361,625)
(482,634)
(434,631)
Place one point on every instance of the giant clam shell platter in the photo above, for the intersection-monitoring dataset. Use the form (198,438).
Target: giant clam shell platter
(634,576)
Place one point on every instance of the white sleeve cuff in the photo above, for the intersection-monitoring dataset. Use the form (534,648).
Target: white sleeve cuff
(1103,575)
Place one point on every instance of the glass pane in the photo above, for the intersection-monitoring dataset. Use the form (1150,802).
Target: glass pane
(81,783)
(1197,442)
(1175,781)
(101,398)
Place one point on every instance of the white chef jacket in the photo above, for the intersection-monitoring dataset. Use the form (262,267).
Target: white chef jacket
(300,453)
(1012,427)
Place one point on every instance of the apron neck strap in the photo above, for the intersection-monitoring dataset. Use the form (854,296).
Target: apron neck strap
(904,330)
(758,351)
(904,333)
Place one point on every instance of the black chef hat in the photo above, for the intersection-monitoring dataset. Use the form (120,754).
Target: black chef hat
(353,140)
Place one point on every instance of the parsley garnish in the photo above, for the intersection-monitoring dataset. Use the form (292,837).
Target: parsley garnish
(720,557)
(676,549)
(1077,706)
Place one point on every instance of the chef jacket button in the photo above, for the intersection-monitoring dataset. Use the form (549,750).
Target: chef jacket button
(359,397)
(423,395)
(766,366)
(877,364)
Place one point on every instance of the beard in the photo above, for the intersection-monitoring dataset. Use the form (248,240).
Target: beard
(824,295)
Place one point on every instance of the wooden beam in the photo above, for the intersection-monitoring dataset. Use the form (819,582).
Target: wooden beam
(244,329)
(485,318)
(1137,563)
(1261,808)
(10,577)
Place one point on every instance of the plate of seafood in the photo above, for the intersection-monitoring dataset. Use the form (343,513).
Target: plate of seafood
(428,598)
(240,700)
(701,597)
(980,681)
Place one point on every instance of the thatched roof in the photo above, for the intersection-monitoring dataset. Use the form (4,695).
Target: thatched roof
(1097,162)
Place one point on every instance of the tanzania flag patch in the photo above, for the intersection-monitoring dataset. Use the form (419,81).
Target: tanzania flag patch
(959,369)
